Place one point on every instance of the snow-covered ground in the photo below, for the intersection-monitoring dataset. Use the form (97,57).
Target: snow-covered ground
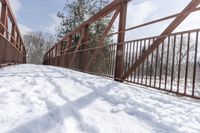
(40,99)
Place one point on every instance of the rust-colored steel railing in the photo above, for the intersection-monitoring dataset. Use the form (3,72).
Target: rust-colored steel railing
(172,67)
(169,62)
(12,49)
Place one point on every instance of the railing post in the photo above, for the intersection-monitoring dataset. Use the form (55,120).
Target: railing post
(13,35)
(68,49)
(24,55)
(85,45)
(56,50)
(70,41)
(121,39)
(2,28)
(3,18)
(17,40)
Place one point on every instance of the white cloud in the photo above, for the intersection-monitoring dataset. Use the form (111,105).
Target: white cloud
(191,22)
(51,27)
(137,14)
(16,6)
(24,29)
(140,12)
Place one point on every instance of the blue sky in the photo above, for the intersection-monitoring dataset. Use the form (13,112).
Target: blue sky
(37,15)
(40,15)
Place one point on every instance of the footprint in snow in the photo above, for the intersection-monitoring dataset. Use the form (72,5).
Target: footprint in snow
(118,108)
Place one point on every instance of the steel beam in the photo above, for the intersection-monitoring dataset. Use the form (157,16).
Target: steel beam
(121,40)
(109,27)
(77,48)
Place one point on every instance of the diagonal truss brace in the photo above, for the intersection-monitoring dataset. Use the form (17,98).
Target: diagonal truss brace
(103,38)
(185,13)
(109,27)
(77,48)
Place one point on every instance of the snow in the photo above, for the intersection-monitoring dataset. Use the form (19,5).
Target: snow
(46,99)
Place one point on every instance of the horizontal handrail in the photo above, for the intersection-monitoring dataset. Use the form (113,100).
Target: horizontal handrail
(153,37)
(151,22)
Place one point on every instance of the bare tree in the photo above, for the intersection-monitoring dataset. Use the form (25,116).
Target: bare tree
(198,77)
(37,44)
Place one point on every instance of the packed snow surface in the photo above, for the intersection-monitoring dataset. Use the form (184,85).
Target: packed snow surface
(45,99)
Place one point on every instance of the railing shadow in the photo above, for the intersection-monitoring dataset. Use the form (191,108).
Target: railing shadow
(58,114)
(52,118)
(72,109)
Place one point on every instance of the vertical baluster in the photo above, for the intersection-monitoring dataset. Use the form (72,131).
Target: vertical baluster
(161,67)
(110,61)
(136,57)
(143,49)
(129,62)
(167,62)
(173,58)
(147,65)
(155,76)
(151,71)
(133,58)
(187,63)
(113,56)
(140,54)
(195,63)
(179,65)
(126,58)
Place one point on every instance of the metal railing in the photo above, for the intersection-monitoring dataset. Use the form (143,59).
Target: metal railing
(169,61)
(12,49)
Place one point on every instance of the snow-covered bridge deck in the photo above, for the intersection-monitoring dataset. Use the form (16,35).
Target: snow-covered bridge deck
(38,99)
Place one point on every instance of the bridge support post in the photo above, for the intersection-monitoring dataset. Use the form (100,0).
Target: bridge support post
(2,30)
(121,39)
(3,18)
